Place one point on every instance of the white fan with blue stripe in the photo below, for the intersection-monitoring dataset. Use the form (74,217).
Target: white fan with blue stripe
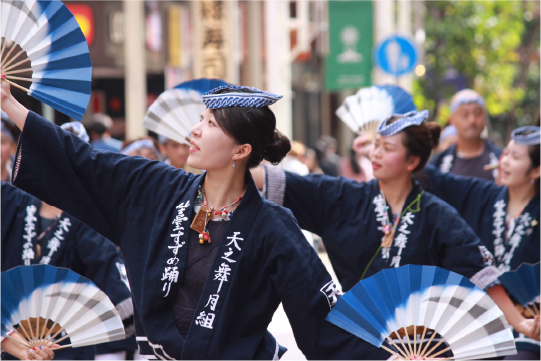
(177,110)
(419,299)
(43,302)
(42,44)
(364,111)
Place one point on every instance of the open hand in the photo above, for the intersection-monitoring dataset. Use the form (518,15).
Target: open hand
(529,327)
(362,145)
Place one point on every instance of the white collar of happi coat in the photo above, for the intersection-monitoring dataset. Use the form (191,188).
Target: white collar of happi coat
(54,244)
(401,233)
(503,253)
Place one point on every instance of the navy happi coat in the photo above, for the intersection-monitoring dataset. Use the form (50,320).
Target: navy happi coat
(74,246)
(483,205)
(146,207)
(350,216)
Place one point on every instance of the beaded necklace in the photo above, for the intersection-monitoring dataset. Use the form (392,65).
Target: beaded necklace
(204,235)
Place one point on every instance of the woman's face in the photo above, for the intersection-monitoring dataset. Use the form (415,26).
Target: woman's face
(211,147)
(7,148)
(388,157)
(515,165)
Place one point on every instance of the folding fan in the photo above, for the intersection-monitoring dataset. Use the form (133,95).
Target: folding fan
(523,285)
(176,111)
(46,35)
(364,111)
(40,302)
(424,299)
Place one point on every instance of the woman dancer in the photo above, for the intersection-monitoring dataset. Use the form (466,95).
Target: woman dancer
(505,217)
(231,275)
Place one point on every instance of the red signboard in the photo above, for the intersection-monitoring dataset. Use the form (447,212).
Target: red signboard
(85,17)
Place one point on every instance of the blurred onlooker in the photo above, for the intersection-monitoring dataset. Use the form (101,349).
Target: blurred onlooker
(471,153)
(146,147)
(9,143)
(310,159)
(448,137)
(99,129)
(176,154)
(293,162)
(357,166)
(328,160)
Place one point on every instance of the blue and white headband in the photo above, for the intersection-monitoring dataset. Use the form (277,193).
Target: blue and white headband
(140,144)
(403,121)
(7,132)
(258,99)
(76,129)
(532,138)
(466,96)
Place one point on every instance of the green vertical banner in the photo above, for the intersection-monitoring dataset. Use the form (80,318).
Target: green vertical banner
(349,62)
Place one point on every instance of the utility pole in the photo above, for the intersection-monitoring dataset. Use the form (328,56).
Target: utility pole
(404,28)
(392,18)
(278,61)
(135,68)
(255,36)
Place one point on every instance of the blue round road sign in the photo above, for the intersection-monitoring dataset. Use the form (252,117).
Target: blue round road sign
(396,55)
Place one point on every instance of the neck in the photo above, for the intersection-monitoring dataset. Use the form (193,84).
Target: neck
(223,187)
(396,191)
(48,211)
(521,195)
(470,148)
(4,173)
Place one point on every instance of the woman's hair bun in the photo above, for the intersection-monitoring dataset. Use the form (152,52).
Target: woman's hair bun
(278,148)
(434,129)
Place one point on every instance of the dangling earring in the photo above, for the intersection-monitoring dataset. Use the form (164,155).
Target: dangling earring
(234,164)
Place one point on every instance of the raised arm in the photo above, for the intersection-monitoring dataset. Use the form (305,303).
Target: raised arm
(15,110)
(315,199)
(97,187)
(463,193)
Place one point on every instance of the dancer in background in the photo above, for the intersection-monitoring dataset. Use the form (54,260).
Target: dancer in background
(34,232)
(505,217)
(471,153)
(390,221)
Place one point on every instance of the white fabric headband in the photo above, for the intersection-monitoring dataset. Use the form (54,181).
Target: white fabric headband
(76,129)
(403,121)
(140,144)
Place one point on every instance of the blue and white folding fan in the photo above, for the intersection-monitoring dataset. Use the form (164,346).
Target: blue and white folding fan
(46,35)
(176,111)
(424,298)
(523,285)
(364,111)
(40,302)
